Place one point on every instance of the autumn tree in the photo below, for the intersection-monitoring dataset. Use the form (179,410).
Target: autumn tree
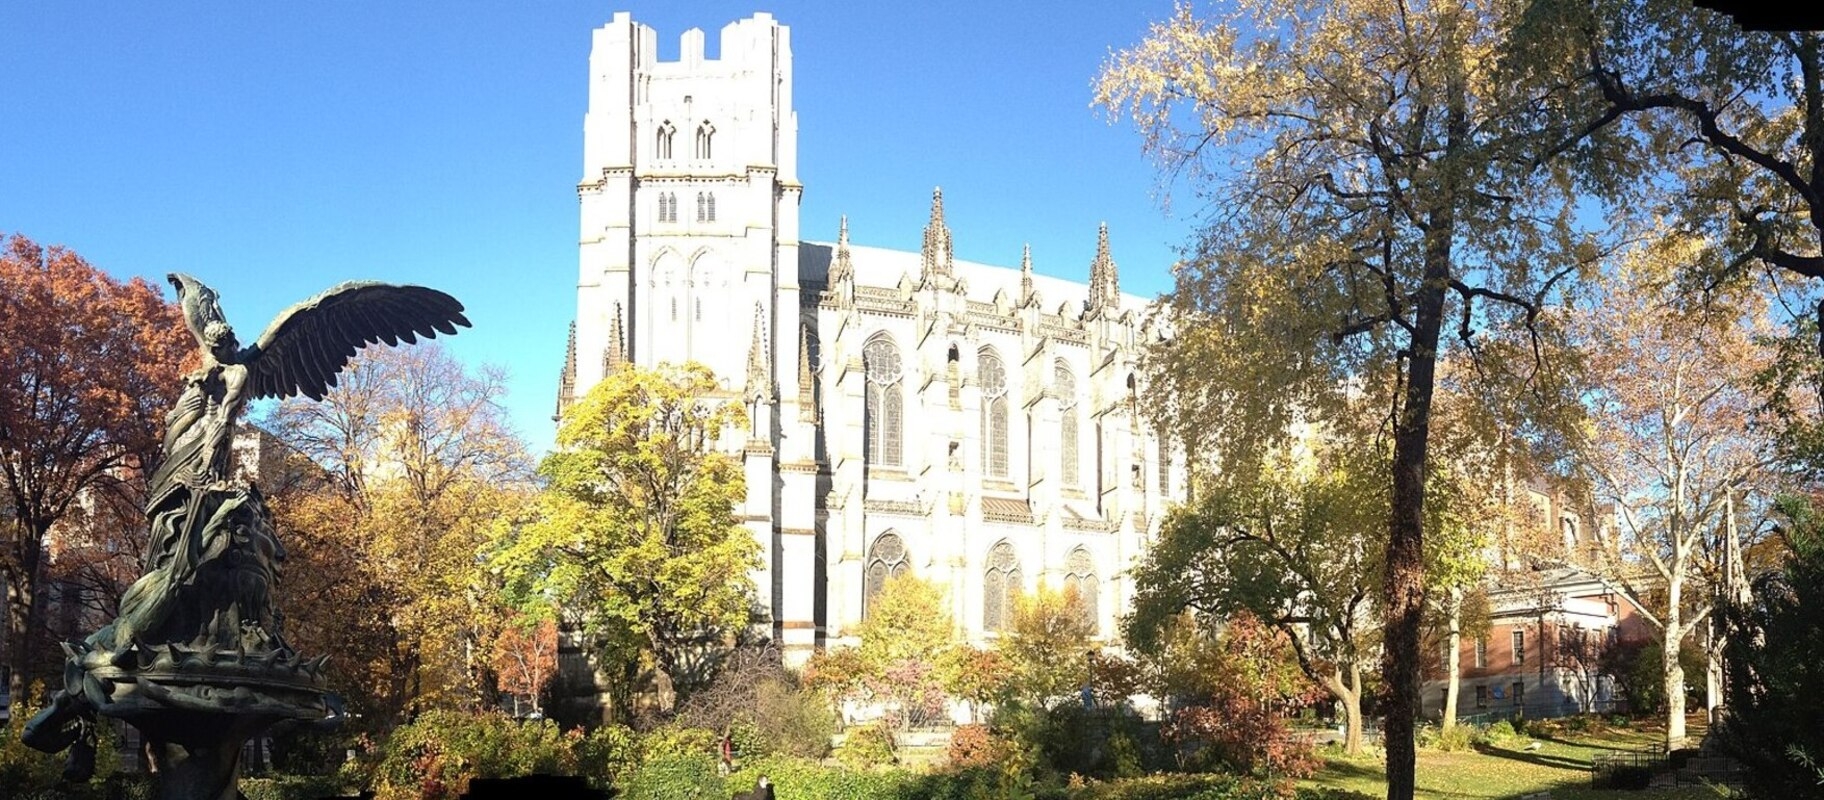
(636,530)
(525,657)
(91,364)
(1047,645)
(1244,684)
(1671,443)
(905,639)
(418,463)
(1293,542)
(1367,166)
(1717,129)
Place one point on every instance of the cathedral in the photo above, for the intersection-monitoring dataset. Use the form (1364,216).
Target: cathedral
(974,425)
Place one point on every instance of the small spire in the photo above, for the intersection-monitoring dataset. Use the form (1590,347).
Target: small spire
(617,343)
(566,381)
(936,257)
(1104,285)
(758,382)
(1026,272)
(843,269)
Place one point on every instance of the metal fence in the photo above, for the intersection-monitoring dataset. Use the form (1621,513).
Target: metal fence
(1678,768)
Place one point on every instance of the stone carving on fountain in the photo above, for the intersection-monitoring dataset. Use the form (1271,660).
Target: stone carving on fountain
(197,658)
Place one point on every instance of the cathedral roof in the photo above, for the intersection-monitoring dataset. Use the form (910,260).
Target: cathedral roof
(878,266)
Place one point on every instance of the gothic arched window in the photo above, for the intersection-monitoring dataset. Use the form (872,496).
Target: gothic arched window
(885,407)
(886,559)
(994,415)
(699,206)
(1064,384)
(712,207)
(705,133)
(666,131)
(1000,588)
(1080,576)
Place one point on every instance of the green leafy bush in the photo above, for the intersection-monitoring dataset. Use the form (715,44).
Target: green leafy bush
(1124,755)
(678,740)
(676,776)
(802,779)
(607,755)
(1498,734)
(1457,739)
(291,787)
(867,747)
(436,756)
(1207,787)
(24,769)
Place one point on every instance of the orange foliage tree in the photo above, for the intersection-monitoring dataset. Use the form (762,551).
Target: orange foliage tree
(525,657)
(89,366)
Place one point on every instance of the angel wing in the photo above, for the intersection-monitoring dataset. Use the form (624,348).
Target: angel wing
(307,344)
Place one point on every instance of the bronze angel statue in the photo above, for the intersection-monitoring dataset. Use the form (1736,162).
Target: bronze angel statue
(197,641)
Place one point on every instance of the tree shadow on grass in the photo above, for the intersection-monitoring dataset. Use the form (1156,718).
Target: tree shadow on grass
(1344,769)
(1540,759)
(1587,745)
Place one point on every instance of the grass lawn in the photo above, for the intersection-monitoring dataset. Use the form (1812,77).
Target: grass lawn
(1560,766)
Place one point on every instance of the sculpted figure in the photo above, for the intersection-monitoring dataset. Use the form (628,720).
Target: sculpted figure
(196,659)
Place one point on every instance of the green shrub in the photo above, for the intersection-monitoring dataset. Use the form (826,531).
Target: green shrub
(1498,734)
(678,740)
(22,767)
(435,756)
(607,755)
(1178,786)
(1457,739)
(1124,757)
(290,787)
(1208,787)
(803,779)
(676,776)
(867,747)
(794,721)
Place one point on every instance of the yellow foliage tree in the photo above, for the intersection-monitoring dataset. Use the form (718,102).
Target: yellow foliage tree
(414,463)
(636,530)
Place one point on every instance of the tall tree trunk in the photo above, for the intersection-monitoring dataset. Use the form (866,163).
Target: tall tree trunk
(1352,713)
(1412,438)
(1406,537)
(1674,672)
(22,614)
(1453,659)
(1348,693)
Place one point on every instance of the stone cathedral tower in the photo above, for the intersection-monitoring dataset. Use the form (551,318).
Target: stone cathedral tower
(912,412)
(689,252)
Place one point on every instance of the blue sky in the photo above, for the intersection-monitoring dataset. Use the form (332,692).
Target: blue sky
(273,149)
